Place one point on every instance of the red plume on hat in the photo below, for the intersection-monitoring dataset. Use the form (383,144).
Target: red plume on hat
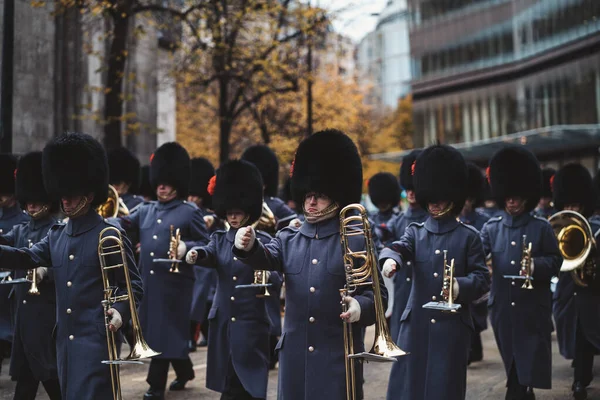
(487,174)
(151,157)
(211,185)
(412,168)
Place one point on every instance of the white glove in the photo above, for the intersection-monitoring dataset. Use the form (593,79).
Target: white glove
(115,321)
(245,238)
(455,289)
(41,273)
(295,223)
(353,313)
(191,257)
(181,249)
(389,268)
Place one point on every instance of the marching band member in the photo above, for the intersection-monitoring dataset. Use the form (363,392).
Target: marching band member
(439,341)
(490,208)
(397,225)
(521,318)
(165,309)
(384,191)
(544,208)
(124,175)
(471,216)
(146,190)
(576,308)
(75,171)
(10,215)
(33,358)
(238,352)
(326,176)
(206,279)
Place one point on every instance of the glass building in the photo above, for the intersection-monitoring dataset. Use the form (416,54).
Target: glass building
(486,72)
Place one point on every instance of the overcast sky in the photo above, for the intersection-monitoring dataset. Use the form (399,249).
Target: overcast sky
(353,17)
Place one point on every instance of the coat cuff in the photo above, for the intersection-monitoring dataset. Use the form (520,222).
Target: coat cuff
(389,253)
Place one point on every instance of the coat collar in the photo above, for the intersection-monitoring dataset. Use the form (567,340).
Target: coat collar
(7,213)
(167,206)
(322,229)
(230,235)
(415,213)
(514,222)
(83,224)
(443,225)
(470,218)
(36,224)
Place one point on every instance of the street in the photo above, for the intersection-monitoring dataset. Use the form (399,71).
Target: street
(485,379)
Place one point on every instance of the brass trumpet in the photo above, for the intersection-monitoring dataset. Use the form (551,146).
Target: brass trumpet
(111,245)
(31,275)
(173,245)
(447,305)
(526,264)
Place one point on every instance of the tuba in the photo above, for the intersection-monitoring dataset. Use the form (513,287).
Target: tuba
(111,245)
(113,206)
(360,267)
(576,242)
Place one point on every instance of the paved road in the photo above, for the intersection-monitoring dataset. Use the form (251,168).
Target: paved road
(485,379)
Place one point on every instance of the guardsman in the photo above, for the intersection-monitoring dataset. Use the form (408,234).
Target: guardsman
(577,308)
(490,208)
(165,309)
(384,191)
(545,207)
(238,351)
(75,171)
(327,176)
(206,279)
(10,215)
(397,225)
(521,318)
(471,216)
(286,196)
(33,358)
(438,341)
(146,190)
(124,175)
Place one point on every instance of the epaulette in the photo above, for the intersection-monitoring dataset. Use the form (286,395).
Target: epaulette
(419,224)
(540,218)
(58,224)
(495,219)
(471,227)
(191,204)
(289,229)
(113,222)
(265,235)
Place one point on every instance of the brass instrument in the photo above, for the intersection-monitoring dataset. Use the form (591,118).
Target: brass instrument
(364,273)
(447,304)
(526,264)
(173,245)
(33,290)
(113,206)
(576,243)
(111,245)
(30,277)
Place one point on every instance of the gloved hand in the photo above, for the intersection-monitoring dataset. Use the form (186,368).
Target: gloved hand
(245,238)
(181,249)
(353,313)
(455,289)
(191,257)
(389,268)
(295,223)
(41,273)
(116,321)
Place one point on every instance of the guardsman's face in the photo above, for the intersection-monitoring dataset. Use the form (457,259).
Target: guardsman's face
(197,200)
(76,205)
(34,208)
(235,218)
(165,193)
(573,207)
(410,197)
(316,202)
(7,200)
(514,205)
(437,208)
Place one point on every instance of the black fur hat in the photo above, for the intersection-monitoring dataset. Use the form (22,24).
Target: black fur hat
(171,165)
(266,161)
(515,171)
(238,184)
(8,164)
(29,184)
(475,184)
(384,189)
(123,166)
(145,186)
(441,175)
(327,162)
(547,174)
(286,190)
(573,184)
(202,171)
(75,164)
(406,176)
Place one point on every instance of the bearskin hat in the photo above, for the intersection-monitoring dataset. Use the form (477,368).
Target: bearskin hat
(75,164)
(123,166)
(327,162)
(384,189)
(202,171)
(239,185)
(286,190)
(170,165)
(475,184)
(441,175)
(8,164)
(406,175)
(266,161)
(515,171)
(573,184)
(29,182)
(547,174)
(145,186)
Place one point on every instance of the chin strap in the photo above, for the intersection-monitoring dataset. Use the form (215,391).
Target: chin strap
(78,210)
(442,213)
(42,212)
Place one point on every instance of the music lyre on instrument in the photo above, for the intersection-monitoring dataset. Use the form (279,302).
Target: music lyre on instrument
(525,265)
(447,305)
(111,246)
(360,267)
(173,245)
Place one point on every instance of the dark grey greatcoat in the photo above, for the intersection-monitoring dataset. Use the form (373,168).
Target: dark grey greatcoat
(33,343)
(521,318)
(576,305)
(132,200)
(438,342)
(165,310)
(311,347)
(403,277)
(239,325)
(72,251)
(9,217)
(204,286)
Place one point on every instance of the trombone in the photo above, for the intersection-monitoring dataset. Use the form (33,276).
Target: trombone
(112,246)
(360,267)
